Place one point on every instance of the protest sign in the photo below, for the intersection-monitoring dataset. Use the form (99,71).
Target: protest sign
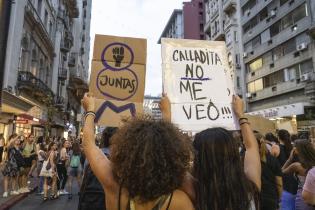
(118,78)
(199,84)
(261,124)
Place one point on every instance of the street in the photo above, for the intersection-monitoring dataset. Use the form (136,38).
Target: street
(35,202)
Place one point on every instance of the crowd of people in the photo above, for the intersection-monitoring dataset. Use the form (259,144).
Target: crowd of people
(151,164)
(54,162)
(154,165)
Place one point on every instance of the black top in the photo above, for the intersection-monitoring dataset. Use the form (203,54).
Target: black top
(270,169)
(290,183)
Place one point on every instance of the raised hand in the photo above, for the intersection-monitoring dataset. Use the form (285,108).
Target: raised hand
(238,106)
(118,55)
(88,102)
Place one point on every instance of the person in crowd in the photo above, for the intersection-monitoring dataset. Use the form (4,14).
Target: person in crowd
(307,159)
(12,166)
(41,157)
(290,184)
(75,169)
(219,179)
(2,142)
(29,153)
(92,195)
(302,147)
(272,144)
(63,161)
(149,160)
(51,176)
(271,176)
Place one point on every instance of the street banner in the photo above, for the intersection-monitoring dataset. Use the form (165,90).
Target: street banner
(118,78)
(199,83)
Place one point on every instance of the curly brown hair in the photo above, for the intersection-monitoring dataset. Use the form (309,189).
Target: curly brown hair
(150,157)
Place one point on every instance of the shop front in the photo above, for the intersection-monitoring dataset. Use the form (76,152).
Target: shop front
(290,117)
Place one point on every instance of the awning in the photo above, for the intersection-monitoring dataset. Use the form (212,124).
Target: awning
(33,119)
(281,111)
(13,104)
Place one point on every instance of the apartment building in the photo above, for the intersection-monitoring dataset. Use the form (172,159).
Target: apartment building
(186,23)
(151,106)
(40,93)
(223,23)
(279,57)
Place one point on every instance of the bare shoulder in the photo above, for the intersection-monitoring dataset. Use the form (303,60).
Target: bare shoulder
(181,201)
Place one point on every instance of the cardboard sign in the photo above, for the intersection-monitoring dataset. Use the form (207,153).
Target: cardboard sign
(118,78)
(198,82)
(261,124)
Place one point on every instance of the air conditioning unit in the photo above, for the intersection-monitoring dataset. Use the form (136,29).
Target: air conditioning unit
(301,46)
(245,55)
(248,95)
(272,13)
(247,12)
(304,77)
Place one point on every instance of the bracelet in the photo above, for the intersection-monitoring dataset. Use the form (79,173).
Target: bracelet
(244,123)
(89,113)
(242,118)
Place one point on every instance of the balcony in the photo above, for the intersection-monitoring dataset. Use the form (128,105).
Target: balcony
(72,7)
(312,31)
(33,86)
(78,83)
(36,22)
(280,88)
(63,74)
(72,60)
(59,102)
(229,6)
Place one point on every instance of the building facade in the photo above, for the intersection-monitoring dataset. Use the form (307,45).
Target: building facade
(223,23)
(186,23)
(279,57)
(46,66)
(151,106)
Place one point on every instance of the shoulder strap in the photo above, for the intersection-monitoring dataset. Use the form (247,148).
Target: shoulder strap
(169,202)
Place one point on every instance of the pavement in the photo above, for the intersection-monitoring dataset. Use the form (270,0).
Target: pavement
(32,201)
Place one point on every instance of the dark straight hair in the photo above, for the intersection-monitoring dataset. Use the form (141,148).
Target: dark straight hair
(306,153)
(285,137)
(221,182)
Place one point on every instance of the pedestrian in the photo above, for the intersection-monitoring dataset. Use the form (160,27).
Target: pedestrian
(41,157)
(219,179)
(149,160)
(49,172)
(29,153)
(92,195)
(75,169)
(296,168)
(272,144)
(307,159)
(12,166)
(2,142)
(290,184)
(271,176)
(63,161)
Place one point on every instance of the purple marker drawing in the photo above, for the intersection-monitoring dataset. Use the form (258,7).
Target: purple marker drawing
(117,109)
(196,79)
(113,68)
(114,97)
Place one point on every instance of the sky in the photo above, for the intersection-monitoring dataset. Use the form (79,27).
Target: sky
(136,18)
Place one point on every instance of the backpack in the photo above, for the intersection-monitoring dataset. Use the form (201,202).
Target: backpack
(91,194)
(75,161)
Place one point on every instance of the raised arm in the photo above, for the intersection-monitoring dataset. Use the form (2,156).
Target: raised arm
(99,163)
(252,165)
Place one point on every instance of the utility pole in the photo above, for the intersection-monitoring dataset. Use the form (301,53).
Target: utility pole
(5,10)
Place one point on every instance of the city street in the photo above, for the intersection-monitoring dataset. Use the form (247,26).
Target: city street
(35,202)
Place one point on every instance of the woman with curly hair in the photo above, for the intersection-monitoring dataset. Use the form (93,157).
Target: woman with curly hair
(220,182)
(149,160)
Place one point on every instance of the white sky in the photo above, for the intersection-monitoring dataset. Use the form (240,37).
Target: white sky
(136,18)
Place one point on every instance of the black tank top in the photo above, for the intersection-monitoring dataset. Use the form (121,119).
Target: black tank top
(156,207)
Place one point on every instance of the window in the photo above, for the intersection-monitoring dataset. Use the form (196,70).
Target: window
(282,2)
(289,74)
(306,67)
(275,29)
(238,83)
(265,36)
(255,86)
(263,14)
(299,13)
(255,65)
(289,46)
(256,41)
(237,58)
(235,36)
(39,7)
(287,21)
(273,79)
(46,18)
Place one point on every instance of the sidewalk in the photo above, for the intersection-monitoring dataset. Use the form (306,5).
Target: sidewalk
(7,203)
